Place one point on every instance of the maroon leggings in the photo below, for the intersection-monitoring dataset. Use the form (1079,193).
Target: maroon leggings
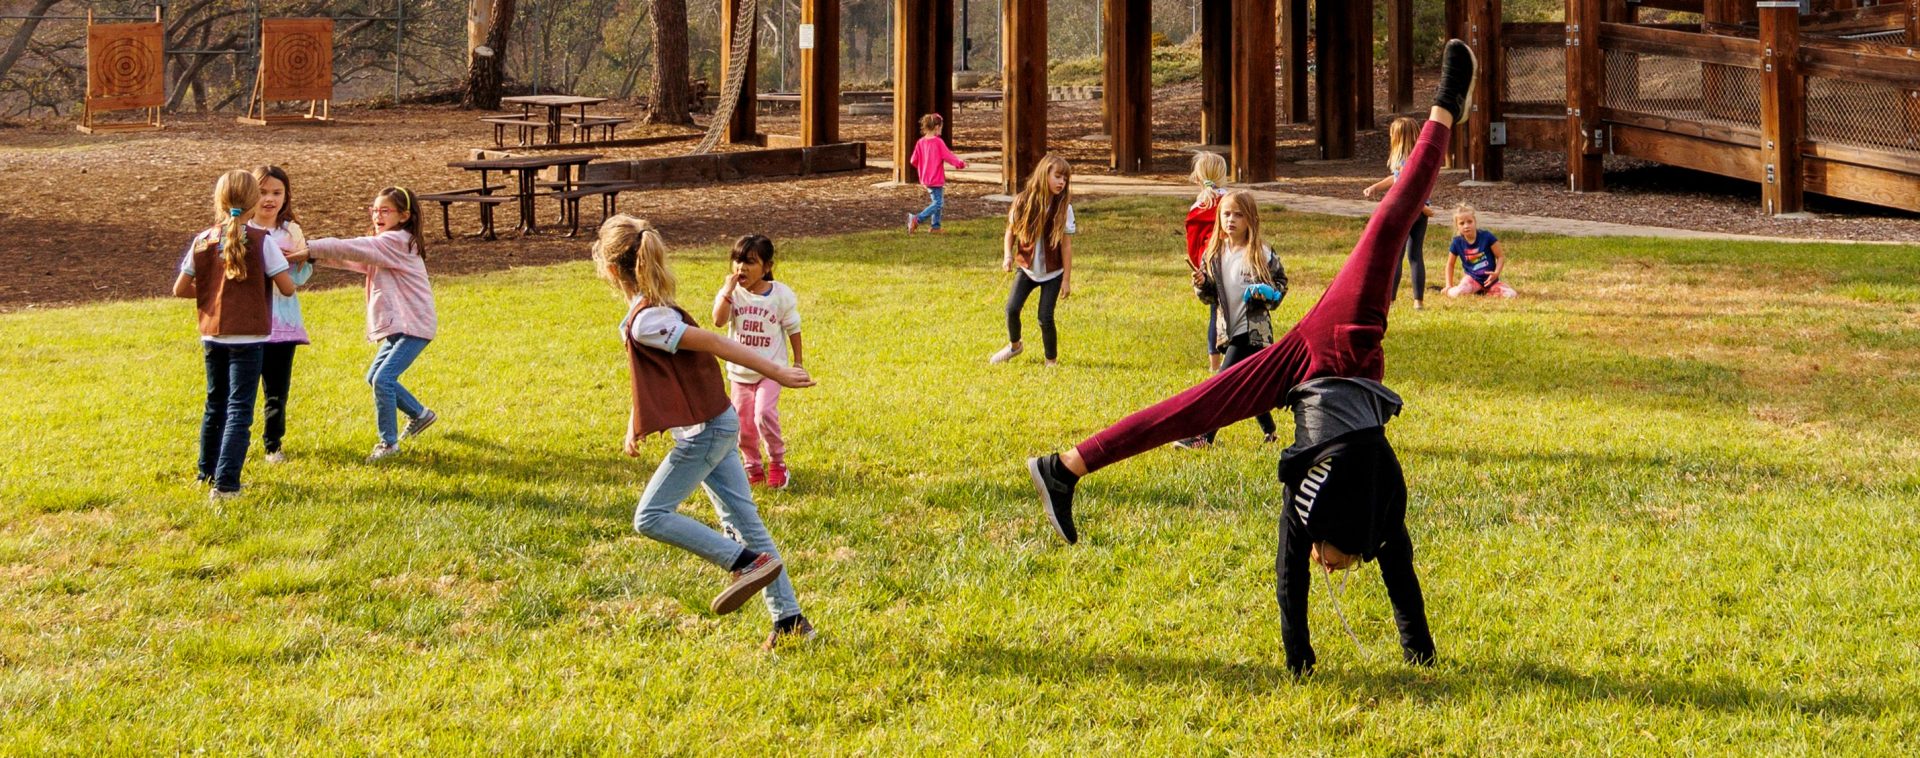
(1339,336)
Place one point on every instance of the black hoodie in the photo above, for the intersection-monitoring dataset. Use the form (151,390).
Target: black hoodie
(1348,491)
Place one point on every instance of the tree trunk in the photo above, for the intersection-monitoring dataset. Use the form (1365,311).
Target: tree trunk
(22,36)
(486,73)
(668,91)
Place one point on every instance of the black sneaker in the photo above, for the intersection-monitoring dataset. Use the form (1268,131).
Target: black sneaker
(1055,484)
(419,424)
(1457,66)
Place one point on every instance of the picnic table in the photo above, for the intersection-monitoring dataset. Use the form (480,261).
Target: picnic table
(528,167)
(556,106)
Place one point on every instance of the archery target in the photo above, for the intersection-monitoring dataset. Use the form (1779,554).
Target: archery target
(126,66)
(296,59)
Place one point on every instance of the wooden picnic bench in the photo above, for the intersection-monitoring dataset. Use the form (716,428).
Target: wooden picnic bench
(525,127)
(583,126)
(482,196)
(609,193)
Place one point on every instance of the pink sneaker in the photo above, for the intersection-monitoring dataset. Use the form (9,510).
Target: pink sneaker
(913,222)
(756,477)
(777,477)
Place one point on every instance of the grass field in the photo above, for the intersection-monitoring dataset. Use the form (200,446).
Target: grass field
(1664,502)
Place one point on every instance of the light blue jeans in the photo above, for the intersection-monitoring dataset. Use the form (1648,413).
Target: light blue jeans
(396,354)
(711,459)
(938,204)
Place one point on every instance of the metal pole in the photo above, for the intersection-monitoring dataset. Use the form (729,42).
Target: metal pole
(783,46)
(399,38)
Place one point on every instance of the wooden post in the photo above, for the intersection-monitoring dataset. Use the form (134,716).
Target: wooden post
(1129,93)
(1333,80)
(1362,14)
(922,75)
(1782,121)
(1216,72)
(1457,29)
(1293,61)
(1483,159)
(1400,55)
(940,66)
(744,128)
(1913,22)
(820,73)
(1586,79)
(1253,116)
(1023,66)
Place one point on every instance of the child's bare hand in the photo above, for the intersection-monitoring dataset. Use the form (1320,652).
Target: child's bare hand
(632,448)
(1006,264)
(1367,193)
(1199,278)
(793,376)
(1066,290)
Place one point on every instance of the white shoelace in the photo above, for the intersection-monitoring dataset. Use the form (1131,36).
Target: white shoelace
(1335,598)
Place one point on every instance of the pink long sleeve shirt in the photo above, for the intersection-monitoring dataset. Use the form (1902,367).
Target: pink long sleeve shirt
(931,156)
(399,298)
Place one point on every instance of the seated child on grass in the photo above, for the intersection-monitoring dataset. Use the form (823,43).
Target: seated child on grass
(1480,256)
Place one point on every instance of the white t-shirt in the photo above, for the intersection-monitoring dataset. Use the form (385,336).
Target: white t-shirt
(763,323)
(660,328)
(276,265)
(1234,279)
(1039,271)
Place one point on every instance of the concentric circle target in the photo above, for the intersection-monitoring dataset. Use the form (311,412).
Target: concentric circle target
(127,67)
(301,61)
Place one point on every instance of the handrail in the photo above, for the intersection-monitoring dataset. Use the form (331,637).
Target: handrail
(1709,48)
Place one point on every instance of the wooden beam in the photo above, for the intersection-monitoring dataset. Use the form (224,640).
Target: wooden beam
(911,95)
(1333,80)
(1686,152)
(1253,97)
(1361,12)
(1586,81)
(1216,71)
(1484,160)
(940,65)
(1913,22)
(744,128)
(1782,108)
(1129,93)
(1400,55)
(1023,67)
(1864,184)
(820,74)
(1293,61)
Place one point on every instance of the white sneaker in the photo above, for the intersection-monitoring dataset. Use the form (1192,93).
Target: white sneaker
(276,457)
(419,424)
(382,450)
(1006,354)
(215,496)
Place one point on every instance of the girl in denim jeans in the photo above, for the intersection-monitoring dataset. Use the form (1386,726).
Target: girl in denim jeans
(678,388)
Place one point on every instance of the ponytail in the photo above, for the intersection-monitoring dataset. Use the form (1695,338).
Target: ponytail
(234,195)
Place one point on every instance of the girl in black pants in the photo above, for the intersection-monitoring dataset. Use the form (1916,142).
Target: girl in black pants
(1036,240)
(1403,135)
(1243,280)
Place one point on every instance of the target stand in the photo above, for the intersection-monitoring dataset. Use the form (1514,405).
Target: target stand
(126,70)
(296,63)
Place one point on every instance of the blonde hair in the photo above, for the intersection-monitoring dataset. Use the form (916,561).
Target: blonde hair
(1036,210)
(931,123)
(234,196)
(1464,209)
(1400,138)
(631,255)
(1256,250)
(1209,171)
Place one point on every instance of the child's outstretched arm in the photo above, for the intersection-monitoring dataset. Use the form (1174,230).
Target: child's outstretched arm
(946,154)
(701,340)
(1377,187)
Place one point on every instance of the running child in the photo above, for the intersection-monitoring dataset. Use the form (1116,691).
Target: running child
(1402,135)
(1344,493)
(1242,281)
(1209,171)
(931,157)
(400,312)
(677,388)
(229,270)
(1037,241)
(763,315)
(275,215)
(1480,257)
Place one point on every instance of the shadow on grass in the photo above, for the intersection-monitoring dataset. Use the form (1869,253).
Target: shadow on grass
(1464,680)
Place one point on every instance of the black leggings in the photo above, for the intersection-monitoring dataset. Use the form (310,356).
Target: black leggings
(1416,259)
(1238,349)
(276,375)
(1017,301)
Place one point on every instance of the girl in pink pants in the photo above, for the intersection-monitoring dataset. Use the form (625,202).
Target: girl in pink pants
(763,315)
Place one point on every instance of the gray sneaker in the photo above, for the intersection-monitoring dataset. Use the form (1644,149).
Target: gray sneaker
(1006,354)
(419,424)
(382,450)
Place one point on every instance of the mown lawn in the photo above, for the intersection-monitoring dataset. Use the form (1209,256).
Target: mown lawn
(1663,502)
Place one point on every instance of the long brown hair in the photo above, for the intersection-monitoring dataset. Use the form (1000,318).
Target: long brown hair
(1036,210)
(403,199)
(234,196)
(1255,251)
(631,255)
(1400,138)
(286,215)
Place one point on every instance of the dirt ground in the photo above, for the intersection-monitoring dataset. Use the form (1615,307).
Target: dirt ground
(142,195)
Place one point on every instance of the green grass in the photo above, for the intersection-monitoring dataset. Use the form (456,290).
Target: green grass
(1664,502)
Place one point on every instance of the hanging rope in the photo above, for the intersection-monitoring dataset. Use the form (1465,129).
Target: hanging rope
(742,49)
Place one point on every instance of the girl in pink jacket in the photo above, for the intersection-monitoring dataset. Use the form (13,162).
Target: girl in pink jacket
(400,313)
(931,157)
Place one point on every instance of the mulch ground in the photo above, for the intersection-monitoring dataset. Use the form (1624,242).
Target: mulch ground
(135,199)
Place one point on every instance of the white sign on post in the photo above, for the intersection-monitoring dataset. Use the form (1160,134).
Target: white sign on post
(806,36)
